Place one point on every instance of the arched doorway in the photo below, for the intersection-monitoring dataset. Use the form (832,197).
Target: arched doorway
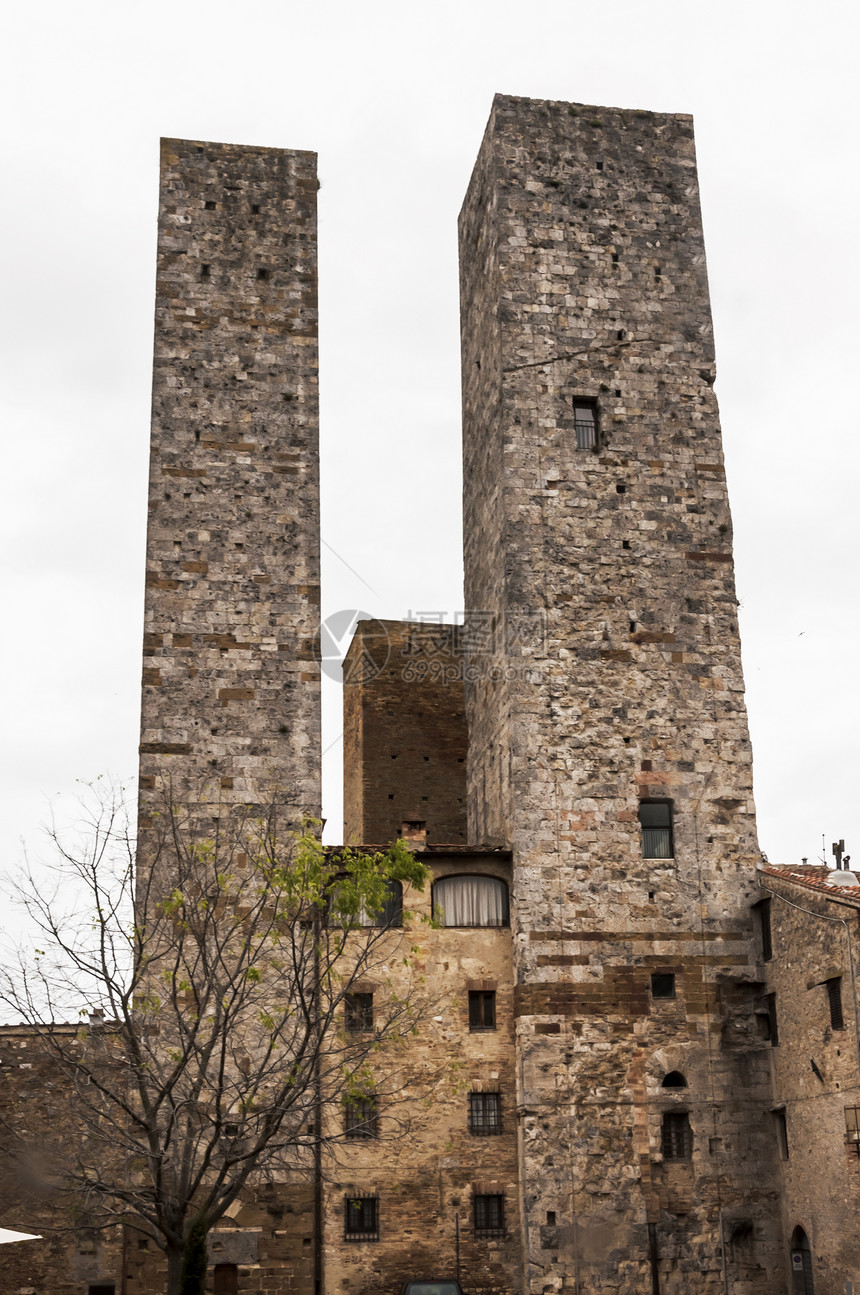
(801,1264)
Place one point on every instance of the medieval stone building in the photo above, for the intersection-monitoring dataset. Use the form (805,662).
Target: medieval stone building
(572,763)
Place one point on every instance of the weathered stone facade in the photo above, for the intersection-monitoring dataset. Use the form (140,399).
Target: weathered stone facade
(809,928)
(230,704)
(583,285)
(404,732)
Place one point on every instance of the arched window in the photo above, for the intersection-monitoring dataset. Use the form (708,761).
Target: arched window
(471,900)
(674,1079)
(801,1264)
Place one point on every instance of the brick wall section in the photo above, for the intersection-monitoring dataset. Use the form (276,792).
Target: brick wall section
(583,276)
(816,936)
(404,732)
(230,683)
(38,1117)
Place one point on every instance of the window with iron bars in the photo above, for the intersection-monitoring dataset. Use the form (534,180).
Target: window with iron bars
(585,424)
(852,1127)
(361,1218)
(358,1010)
(485,1113)
(488,1213)
(677,1136)
(360,1117)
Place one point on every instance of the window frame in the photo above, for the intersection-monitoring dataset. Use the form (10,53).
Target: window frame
(584,440)
(439,909)
(358,1011)
(676,1137)
(484,1114)
(369,1220)
(488,1226)
(762,911)
(361,1116)
(668,828)
(833,985)
(482,997)
(780,1125)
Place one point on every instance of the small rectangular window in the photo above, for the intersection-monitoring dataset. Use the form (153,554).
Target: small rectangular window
(482,1009)
(360,1117)
(655,819)
(358,1010)
(781,1128)
(489,1216)
(834,998)
(485,1114)
(585,423)
(361,1218)
(852,1126)
(663,984)
(772,1024)
(677,1136)
(762,912)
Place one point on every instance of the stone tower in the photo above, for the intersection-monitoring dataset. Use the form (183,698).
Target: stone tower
(608,734)
(230,684)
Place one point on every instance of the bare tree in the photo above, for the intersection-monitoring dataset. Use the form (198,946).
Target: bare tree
(218,1024)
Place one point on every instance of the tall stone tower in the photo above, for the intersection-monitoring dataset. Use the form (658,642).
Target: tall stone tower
(230,683)
(608,743)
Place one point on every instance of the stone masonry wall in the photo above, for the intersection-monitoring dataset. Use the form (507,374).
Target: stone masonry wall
(404,732)
(815,938)
(38,1129)
(426,1166)
(583,278)
(230,683)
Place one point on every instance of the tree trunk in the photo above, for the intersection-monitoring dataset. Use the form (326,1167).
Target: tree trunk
(174,1270)
(194,1257)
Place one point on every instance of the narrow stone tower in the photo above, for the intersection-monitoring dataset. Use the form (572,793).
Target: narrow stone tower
(609,744)
(230,684)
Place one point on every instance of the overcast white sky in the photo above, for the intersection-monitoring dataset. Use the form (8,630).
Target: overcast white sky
(394,98)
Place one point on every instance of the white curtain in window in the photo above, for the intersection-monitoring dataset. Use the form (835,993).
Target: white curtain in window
(472,901)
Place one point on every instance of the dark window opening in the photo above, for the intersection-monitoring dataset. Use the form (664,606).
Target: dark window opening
(489,1216)
(762,912)
(674,1079)
(614,258)
(663,984)
(677,1136)
(781,1130)
(358,1009)
(262,273)
(102,1288)
(550,1218)
(655,818)
(482,1009)
(485,1114)
(772,1025)
(620,335)
(361,1218)
(204,272)
(471,900)
(226,1279)
(834,998)
(361,1117)
(210,206)
(625,544)
(585,423)
(255,209)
